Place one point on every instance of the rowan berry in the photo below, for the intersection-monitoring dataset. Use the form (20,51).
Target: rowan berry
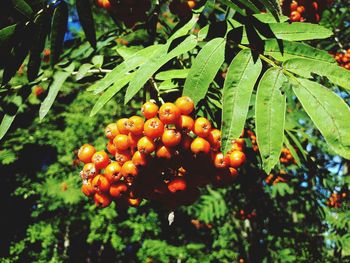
(202,127)
(86,152)
(112,172)
(102,200)
(100,159)
(164,152)
(106,4)
(122,156)
(178,184)
(294,5)
(129,171)
(89,171)
(121,142)
(214,138)
(301,9)
(146,145)
(122,125)
(184,103)
(100,183)
(149,110)
(238,144)
(135,125)
(135,202)
(185,124)
(200,145)
(295,16)
(153,128)
(191,4)
(111,131)
(171,137)
(237,158)
(111,147)
(140,159)
(87,188)
(221,160)
(169,113)
(118,189)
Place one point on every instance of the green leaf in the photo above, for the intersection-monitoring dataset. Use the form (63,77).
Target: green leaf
(299,31)
(119,71)
(270,110)
(233,6)
(97,61)
(269,18)
(110,92)
(295,50)
(250,5)
(155,62)
(83,70)
(329,113)
(22,7)
(297,143)
(304,67)
(8,119)
(86,20)
(58,79)
(204,68)
(241,77)
(184,29)
(273,6)
(292,150)
(172,74)
(6,33)
(125,52)
(58,30)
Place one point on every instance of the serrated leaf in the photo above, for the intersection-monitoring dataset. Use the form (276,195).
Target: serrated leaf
(86,20)
(119,71)
(241,77)
(110,92)
(172,74)
(83,70)
(329,113)
(299,31)
(204,68)
(304,67)
(155,62)
(58,79)
(58,30)
(22,7)
(295,50)
(270,110)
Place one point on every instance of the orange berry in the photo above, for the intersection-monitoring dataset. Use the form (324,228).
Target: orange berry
(184,103)
(237,158)
(169,113)
(133,139)
(293,5)
(139,159)
(178,184)
(238,144)
(221,160)
(89,171)
(86,152)
(121,142)
(111,147)
(202,127)
(100,159)
(164,152)
(102,200)
(200,145)
(129,171)
(191,4)
(171,138)
(153,128)
(122,125)
(112,172)
(149,110)
(301,9)
(118,189)
(146,145)
(106,4)
(135,202)
(122,156)
(214,138)
(111,131)
(100,183)
(295,16)
(87,188)
(185,124)
(135,125)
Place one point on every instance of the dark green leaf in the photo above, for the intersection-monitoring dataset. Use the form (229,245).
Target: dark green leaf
(172,74)
(22,7)
(86,20)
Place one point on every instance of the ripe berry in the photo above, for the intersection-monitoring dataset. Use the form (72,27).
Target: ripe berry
(153,128)
(184,103)
(139,159)
(106,4)
(202,127)
(214,138)
(135,125)
(200,145)
(118,189)
(295,16)
(112,172)
(301,9)
(111,131)
(129,171)
(135,202)
(169,113)
(133,139)
(100,159)
(185,124)
(178,184)
(191,4)
(237,158)
(171,138)
(149,110)
(111,147)
(121,142)
(122,156)
(146,145)
(122,125)
(87,188)
(164,152)
(100,183)
(89,171)
(221,160)
(102,200)
(86,152)
(293,5)
(238,144)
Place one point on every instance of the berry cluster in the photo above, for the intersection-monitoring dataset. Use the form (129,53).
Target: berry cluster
(286,157)
(305,10)
(127,11)
(274,179)
(243,214)
(343,59)
(164,158)
(335,200)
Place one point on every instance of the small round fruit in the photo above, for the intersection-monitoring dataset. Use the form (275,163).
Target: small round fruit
(135,202)
(237,158)
(295,16)
(293,5)
(112,172)
(100,159)
(146,145)
(121,142)
(191,4)
(100,183)
(169,113)
(111,131)
(135,125)
(214,138)
(111,147)
(117,190)
(221,161)
(202,127)
(122,125)
(129,169)
(185,124)
(164,152)
(86,152)
(153,128)
(171,138)
(133,139)
(149,110)
(140,159)
(122,156)
(87,188)
(106,4)
(178,184)
(102,200)
(200,145)
(89,171)
(184,103)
